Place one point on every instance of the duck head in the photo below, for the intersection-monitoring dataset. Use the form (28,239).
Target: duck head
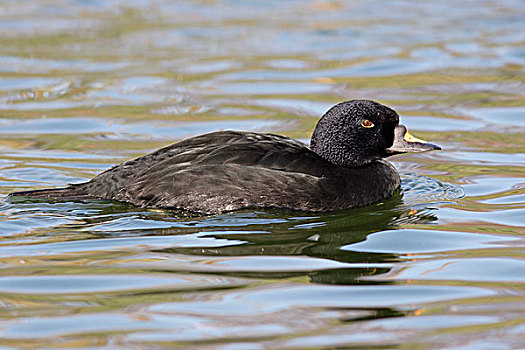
(357,132)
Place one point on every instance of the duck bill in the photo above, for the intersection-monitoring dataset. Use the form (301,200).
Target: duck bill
(404,142)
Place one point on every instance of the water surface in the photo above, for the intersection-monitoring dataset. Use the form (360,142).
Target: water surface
(85,85)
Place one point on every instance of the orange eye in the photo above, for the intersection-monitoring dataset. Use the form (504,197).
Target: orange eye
(367,123)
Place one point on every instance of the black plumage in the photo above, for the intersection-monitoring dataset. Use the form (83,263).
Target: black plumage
(230,170)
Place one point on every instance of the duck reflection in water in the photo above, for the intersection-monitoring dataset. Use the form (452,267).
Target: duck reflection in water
(320,236)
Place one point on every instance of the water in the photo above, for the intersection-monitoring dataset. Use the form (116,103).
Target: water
(88,84)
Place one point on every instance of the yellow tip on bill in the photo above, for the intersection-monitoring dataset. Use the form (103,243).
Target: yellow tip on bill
(410,138)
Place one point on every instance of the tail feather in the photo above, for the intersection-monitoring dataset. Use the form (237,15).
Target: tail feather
(71,192)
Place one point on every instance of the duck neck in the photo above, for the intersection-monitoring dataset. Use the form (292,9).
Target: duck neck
(341,156)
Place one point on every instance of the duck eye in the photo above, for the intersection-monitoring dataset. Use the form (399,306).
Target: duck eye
(367,123)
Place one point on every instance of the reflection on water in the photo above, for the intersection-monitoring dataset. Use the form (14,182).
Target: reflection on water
(85,85)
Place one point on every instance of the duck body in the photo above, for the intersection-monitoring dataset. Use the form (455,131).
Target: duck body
(230,170)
